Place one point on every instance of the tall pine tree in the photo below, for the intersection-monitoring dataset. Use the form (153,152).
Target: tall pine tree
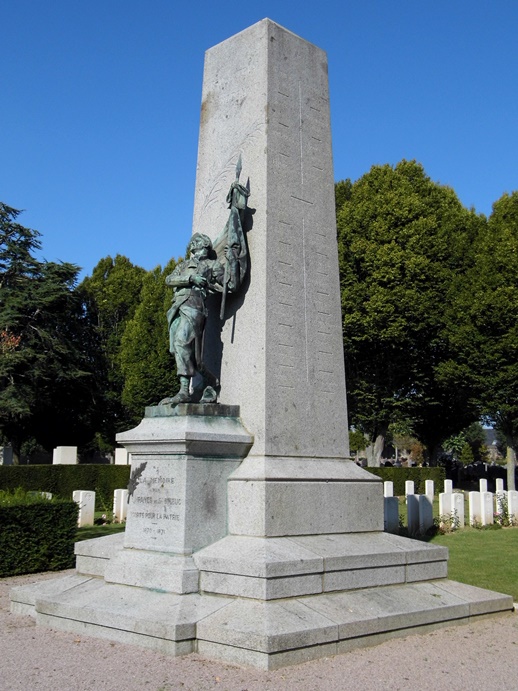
(46,384)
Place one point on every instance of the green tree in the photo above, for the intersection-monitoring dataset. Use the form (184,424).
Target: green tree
(357,442)
(111,295)
(46,383)
(405,242)
(488,325)
(466,454)
(147,366)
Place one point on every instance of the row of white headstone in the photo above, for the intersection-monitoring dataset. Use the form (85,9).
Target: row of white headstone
(483,506)
(86,501)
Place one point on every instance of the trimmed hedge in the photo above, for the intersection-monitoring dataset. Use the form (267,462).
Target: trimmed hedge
(62,480)
(418,475)
(37,536)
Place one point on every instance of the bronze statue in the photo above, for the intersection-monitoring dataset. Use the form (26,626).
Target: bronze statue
(209,269)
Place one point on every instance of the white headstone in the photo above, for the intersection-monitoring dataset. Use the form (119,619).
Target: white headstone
(512,505)
(86,501)
(409,487)
(487,508)
(475,508)
(448,486)
(120,504)
(388,488)
(64,455)
(429,489)
(457,507)
(499,483)
(121,457)
(482,485)
(413,514)
(445,504)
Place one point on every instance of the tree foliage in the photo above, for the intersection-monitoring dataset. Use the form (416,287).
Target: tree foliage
(46,383)
(147,366)
(404,244)
(487,327)
(111,295)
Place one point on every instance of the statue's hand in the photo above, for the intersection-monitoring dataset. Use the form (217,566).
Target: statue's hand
(199,281)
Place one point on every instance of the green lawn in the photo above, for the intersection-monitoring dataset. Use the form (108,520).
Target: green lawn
(91,531)
(485,558)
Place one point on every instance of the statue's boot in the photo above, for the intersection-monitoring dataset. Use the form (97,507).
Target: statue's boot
(183,396)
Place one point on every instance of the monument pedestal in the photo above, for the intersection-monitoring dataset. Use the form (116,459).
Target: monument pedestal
(250,595)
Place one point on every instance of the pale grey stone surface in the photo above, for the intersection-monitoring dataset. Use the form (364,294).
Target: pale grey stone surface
(479,600)
(122,457)
(266,568)
(363,578)
(156,570)
(23,599)
(197,435)
(273,496)
(265,661)
(426,571)
(100,547)
(354,551)
(296,508)
(268,626)
(258,557)
(260,588)
(92,556)
(265,95)
(412,505)
(179,504)
(140,611)
(180,466)
(64,455)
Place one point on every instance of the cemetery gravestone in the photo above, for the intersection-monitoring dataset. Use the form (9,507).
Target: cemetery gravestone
(121,457)
(64,455)
(86,502)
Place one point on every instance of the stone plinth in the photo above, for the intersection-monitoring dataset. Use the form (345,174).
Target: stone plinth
(181,459)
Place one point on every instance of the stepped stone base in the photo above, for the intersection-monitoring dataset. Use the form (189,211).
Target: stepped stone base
(243,591)
(266,602)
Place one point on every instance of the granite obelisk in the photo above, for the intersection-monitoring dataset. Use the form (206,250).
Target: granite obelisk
(265,96)
(279,353)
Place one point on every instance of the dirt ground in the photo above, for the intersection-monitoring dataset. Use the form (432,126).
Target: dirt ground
(483,655)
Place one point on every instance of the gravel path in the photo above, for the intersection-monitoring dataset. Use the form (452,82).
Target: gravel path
(483,655)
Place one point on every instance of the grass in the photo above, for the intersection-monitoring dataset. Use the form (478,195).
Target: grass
(91,531)
(485,558)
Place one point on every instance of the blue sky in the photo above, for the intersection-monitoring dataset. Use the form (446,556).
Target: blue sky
(101,101)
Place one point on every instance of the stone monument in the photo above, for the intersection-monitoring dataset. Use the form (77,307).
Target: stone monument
(251,535)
